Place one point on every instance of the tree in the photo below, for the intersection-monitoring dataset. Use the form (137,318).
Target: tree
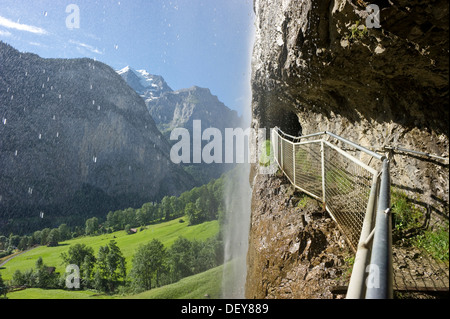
(180,258)
(192,213)
(148,263)
(44,235)
(92,226)
(53,237)
(3,242)
(43,277)
(111,265)
(3,288)
(166,208)
(24,243)
(82,256)
(64,232)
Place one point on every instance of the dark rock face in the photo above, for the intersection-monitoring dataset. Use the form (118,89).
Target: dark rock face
(76,139)
(316,67)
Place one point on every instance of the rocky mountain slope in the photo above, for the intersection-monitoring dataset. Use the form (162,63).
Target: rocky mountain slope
(178,109)
(75,139)
(147,85)
(171,109)
(317,66)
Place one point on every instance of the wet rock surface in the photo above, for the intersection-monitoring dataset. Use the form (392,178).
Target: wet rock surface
(295,250)
(316,68)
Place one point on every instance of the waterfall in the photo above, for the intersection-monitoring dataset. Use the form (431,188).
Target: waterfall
(236,231)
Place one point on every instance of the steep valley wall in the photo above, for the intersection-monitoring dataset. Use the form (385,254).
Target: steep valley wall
(316,67)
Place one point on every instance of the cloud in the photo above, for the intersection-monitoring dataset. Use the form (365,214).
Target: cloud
(21,27)
(4,33)
(86,46)
(37,44)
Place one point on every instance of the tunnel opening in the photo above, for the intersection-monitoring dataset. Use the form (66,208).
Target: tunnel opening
(288,122)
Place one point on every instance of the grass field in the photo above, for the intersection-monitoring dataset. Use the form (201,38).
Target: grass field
(166,232)
(193,287)
(207,284)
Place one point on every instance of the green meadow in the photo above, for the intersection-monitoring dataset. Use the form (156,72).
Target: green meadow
(166,232)
(207,284)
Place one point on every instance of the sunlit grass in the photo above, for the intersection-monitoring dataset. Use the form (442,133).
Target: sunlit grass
(166,232)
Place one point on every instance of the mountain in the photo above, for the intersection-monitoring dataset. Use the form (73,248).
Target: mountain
(178,109)
(75,140)
(171,109)
(149,86)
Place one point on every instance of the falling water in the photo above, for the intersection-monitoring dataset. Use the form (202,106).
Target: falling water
(238,195)
(236,231)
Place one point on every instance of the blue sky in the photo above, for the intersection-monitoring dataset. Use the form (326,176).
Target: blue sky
(206,43)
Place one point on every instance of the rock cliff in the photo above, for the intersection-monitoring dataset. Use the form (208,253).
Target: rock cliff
(317,66)
(75,139)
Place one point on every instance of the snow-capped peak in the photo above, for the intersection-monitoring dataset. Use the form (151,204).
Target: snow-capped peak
(124,70)
(143,82)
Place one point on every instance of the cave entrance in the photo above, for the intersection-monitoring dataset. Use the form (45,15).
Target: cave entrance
(288,122)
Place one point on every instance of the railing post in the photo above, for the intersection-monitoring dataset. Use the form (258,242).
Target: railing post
(322,151)
(380,278)
(293,162)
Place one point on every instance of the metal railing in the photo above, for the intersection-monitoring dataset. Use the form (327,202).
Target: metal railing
(351,191)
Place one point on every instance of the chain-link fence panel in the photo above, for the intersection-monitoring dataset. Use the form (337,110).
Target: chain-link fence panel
(347,189)
(308,167)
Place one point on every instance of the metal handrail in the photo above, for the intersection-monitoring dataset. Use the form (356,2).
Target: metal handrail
(372,274)
(340,138)
(380,278)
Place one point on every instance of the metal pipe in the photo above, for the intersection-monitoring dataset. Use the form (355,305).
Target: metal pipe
(357,280)
(401,149)
(380,277)
(301,137)
(359,147)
